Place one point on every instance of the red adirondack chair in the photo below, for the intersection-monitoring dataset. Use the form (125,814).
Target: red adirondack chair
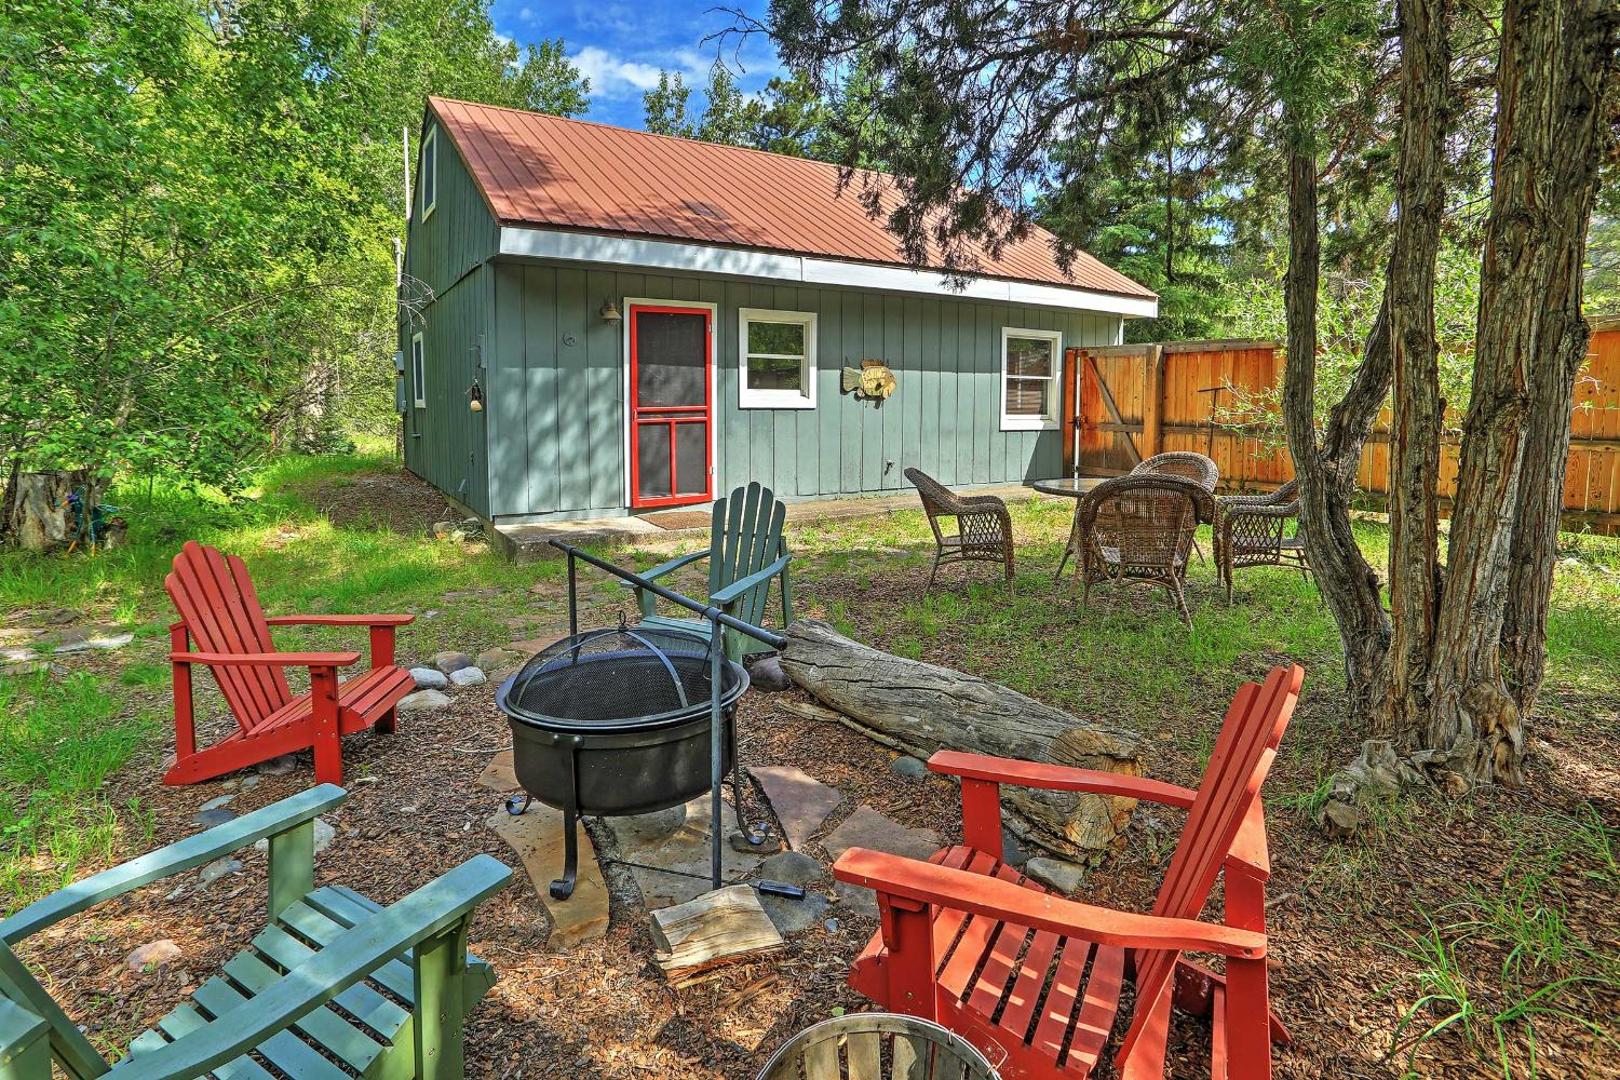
(1034,980)
(220,610)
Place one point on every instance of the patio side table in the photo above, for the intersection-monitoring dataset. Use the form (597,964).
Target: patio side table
(1068,487)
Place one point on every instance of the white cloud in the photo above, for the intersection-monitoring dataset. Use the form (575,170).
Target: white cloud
(526,14)
(614,76)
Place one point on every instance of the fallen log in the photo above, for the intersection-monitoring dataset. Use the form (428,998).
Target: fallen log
(921,708)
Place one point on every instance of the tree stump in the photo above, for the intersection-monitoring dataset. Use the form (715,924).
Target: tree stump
(36,515)
(921,708)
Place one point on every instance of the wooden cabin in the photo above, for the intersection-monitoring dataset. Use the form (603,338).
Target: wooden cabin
(646,322)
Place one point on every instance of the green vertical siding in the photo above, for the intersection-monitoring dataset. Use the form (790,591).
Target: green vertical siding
(557,386)
(460,233)
(445,442)
(448,297)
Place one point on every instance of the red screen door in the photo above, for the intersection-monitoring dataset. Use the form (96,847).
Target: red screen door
(671,405)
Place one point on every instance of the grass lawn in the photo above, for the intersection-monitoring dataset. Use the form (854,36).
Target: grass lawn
(1460,938)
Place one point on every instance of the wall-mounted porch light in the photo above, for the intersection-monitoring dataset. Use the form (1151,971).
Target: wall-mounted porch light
(610,313)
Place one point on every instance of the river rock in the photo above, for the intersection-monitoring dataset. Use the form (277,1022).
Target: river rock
(1057,874)
(468,676)
(448,662)
(152,955)
(429,678)
(908,766)
(424,701)
(766,675)
(499,663)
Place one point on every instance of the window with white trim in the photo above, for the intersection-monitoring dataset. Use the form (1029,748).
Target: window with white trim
(418,371)
(1030,361)
(777,365)
(428,174)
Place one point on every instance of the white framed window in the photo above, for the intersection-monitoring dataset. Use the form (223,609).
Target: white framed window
(1030,363)
(777,361)
(428,175)
(418,371)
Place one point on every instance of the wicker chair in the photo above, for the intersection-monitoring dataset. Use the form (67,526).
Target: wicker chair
(983,526)
(1139,527)
(1195,467)
(1252,530)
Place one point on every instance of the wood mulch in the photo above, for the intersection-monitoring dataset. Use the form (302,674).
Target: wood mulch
(605,1010)
(394,499)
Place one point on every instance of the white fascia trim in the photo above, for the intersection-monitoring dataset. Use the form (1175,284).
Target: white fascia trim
(804,270)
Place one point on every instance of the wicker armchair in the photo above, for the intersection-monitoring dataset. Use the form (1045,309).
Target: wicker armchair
(1195,467)
(983,526)
(1140,527)
(1252,530)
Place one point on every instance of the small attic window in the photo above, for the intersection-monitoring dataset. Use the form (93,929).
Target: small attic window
(429,173)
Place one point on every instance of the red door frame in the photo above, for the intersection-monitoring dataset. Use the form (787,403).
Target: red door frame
(667,417)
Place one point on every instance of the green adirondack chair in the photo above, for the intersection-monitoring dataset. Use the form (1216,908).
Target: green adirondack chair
(746,551)
(322,945)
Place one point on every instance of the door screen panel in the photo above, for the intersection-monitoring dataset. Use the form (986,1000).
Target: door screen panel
(673,370)
(671,406)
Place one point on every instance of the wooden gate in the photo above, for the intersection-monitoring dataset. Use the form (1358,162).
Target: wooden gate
(1111,399)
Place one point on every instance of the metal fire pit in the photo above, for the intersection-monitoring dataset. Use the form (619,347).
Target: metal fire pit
(627,720)
(616,721)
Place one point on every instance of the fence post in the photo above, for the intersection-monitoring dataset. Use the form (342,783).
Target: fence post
(1071,412)
(1153,401)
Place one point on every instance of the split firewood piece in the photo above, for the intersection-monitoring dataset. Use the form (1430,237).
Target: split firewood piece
(716,928)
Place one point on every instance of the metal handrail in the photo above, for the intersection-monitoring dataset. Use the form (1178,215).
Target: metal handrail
(708,611)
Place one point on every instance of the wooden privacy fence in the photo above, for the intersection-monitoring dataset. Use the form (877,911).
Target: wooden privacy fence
(1122,403)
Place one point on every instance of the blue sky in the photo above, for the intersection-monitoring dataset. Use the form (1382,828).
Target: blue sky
(620,45)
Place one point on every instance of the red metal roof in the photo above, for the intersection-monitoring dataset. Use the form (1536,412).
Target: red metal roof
(535,169)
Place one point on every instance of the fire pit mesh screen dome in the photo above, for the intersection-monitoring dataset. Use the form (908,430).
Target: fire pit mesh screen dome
(619,677)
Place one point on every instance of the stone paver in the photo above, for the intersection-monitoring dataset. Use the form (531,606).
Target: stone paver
(499,774)
(680,856)
(537,837)
(868,828)
(854,900)
(790,916)
(802,803)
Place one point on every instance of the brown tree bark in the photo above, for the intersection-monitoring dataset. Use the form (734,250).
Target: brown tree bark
(1327,472)
(1564,336)
(1414,472)
(922,708)
(1555,63)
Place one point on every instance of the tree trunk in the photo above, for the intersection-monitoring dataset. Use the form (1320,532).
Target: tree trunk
(1564,338)
(922,708)
(1327,474)
(1414,471)
(40,516)
(1553,71)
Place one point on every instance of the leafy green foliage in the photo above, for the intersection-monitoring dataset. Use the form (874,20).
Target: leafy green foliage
(788,116)
(198,211)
